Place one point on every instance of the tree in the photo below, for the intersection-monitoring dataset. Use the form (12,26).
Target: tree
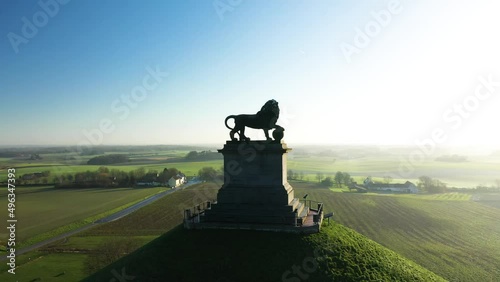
(192,155)
(119,177)
(103,180)
(301,175)
(431,185)
(327,182)
(164,176)
(387,179)
(139,173)
(346,178)
(108,159)
(172,172)
(290,174)
(103,169)
(438,187)
(207,173)
(131,177)
(497,182)
(152,171)
(339,177)
(319,176)
(424,183)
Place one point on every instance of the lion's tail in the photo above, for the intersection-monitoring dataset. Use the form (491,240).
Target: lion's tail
(229,117)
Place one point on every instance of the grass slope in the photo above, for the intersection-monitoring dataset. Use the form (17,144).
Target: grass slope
(336,253)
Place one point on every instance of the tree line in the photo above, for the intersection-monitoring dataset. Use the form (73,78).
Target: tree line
(203,156)
(209,173)
(340,178)
(104,177)
(108,159)
(431,185)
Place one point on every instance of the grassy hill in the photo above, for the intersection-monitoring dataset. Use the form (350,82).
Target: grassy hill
(337,253)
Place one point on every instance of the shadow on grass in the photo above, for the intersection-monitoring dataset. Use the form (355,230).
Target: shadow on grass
(212,255)
(335,254)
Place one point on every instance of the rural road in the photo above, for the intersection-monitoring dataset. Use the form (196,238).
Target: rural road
(106,219)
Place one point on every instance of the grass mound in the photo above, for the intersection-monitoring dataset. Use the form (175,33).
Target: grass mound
(336,253)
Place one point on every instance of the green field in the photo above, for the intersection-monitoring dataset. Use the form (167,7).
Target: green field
(456,238)
(142,226)
(343,254)
(360,162)
(190,169)
(159,217)
(43,209)
(447,234)
(456,235)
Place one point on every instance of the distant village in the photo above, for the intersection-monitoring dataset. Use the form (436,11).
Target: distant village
(370,186)
(154,179)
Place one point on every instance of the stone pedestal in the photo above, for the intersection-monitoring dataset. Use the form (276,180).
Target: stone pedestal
(255,189)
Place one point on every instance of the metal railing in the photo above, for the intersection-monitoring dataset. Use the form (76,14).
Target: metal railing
(192,214)
(318,209)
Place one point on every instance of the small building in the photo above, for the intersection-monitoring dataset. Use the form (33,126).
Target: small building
(177,180)
(406,187)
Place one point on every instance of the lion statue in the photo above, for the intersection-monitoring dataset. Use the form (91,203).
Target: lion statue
(264,119)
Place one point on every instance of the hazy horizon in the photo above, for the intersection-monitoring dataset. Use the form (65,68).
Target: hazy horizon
(437,150)
(384,73)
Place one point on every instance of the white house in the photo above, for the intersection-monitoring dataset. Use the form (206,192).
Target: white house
(406,187)
(177,180)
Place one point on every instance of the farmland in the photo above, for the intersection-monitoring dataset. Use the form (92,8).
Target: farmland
(449,235)
(456,238)
(455,235)
(142,226)
(344,254)
(61,207)
(188,168)
(480,168)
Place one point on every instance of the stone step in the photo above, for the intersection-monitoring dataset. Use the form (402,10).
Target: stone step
(241,217)
(304,212)
(294,204)
(249,210)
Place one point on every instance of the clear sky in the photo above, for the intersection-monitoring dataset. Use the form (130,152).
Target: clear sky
(344,72)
